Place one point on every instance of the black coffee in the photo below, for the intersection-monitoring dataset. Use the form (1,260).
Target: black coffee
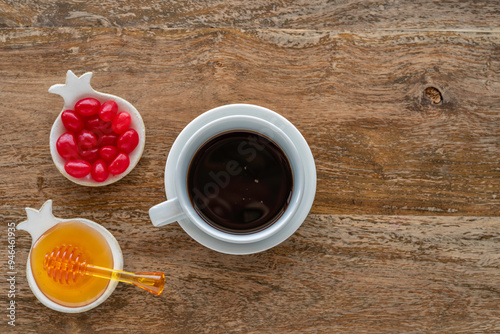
(240,182)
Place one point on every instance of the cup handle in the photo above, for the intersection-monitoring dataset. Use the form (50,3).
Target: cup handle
(166,212)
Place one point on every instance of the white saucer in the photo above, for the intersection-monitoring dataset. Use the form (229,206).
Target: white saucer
(307,160)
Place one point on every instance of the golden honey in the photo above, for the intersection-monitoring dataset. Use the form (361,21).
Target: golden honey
(94,248)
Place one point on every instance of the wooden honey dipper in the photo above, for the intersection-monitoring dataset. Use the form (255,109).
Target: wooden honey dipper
(65,264)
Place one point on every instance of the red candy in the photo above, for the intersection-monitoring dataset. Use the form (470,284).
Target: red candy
(128,141)
(72,121)
(98,141)
(98,126)
(99,171)
(119,165)
(108,111)
(87,140)
(87,107)
(66,146)
(77,168)
(90,155)
(121,123)
(108,153)
(109,139)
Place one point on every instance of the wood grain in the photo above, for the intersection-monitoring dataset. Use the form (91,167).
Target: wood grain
(381,146)
(398,99)
(363,274)
(303,14)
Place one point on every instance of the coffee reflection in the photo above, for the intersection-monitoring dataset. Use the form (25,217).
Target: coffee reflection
(240,182)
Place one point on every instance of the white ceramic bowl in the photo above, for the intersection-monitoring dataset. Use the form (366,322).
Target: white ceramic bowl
(39,221)
(74,90)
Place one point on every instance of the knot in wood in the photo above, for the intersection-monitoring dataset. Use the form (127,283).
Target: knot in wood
(434,95)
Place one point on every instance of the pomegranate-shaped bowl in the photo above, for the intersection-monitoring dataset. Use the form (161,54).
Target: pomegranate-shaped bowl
(97,138)
(46,232)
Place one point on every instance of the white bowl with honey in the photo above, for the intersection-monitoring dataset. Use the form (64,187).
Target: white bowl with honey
(61,290)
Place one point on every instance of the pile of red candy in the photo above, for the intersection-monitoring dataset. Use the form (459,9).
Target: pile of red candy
(98,140)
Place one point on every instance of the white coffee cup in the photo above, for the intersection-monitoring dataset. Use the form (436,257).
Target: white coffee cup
(243,117)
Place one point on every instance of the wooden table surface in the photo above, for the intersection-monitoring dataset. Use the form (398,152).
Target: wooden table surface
(398,99)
